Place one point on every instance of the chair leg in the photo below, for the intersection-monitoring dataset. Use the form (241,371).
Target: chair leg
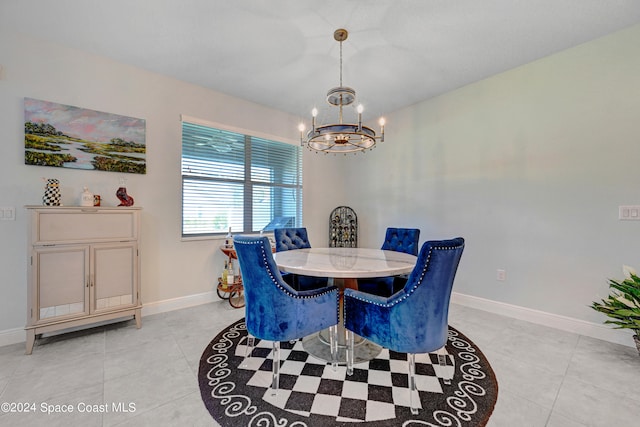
(442,361)
(248,350)
(333,343)
(446,366)
(349,352)
(413,391)
(275,378)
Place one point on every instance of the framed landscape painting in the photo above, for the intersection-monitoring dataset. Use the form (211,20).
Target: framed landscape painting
(70,137)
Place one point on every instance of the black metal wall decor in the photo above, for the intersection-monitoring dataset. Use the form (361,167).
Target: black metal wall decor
(343,228)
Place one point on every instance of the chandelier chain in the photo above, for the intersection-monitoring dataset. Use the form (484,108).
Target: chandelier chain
(340,64)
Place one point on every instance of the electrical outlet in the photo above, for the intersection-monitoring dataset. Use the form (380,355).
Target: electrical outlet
(501,275)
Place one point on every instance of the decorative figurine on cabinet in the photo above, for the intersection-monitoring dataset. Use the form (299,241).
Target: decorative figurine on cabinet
(125,199)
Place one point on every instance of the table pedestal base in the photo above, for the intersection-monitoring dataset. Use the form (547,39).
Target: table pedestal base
(317,345)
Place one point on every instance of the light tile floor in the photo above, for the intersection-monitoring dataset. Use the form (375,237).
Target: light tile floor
(546,377)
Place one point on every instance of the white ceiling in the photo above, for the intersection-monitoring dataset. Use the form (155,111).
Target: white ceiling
(281,53)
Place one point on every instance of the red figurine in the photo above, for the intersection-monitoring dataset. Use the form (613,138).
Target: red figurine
(125,199)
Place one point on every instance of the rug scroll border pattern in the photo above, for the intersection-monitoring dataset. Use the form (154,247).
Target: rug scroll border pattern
(239,409)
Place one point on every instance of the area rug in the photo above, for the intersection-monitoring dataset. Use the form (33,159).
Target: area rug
(313,394)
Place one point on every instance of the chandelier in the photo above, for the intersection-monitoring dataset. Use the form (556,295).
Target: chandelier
(340,137)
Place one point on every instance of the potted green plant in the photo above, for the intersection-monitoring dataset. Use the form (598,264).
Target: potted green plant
(623,305)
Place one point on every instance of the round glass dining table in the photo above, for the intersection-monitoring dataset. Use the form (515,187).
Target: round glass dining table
(347,264)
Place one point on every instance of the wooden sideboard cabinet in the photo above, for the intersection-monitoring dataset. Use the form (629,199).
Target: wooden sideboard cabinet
(84,267)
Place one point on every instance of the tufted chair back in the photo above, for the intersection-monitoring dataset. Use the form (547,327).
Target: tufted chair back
(402,240)
(413,320)
(296,238)
(291,238)
(275,311)
(399,240)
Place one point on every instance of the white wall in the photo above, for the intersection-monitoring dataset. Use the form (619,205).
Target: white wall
(171,268)
(529,166)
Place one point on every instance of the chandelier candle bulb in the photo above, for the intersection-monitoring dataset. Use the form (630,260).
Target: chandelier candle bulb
(314,113)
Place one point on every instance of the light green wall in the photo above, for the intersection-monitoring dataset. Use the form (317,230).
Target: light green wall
(530,167)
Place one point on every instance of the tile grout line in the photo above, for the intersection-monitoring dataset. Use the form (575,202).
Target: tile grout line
(564,376)
(183,357)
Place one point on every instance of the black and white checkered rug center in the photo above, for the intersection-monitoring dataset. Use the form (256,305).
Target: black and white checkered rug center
(310,386)
(311,393)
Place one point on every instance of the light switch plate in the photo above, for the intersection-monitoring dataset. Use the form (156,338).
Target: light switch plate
(629,213)
(8,214)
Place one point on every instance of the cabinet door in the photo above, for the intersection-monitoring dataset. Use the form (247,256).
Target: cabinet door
(61,276)
(114,281)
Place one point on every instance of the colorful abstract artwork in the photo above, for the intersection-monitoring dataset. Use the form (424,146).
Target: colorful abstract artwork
(71,137)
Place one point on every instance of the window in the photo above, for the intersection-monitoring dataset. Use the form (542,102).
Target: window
(230,179)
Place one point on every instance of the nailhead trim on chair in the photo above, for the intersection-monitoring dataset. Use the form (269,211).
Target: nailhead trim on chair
(276,281)
(418,283)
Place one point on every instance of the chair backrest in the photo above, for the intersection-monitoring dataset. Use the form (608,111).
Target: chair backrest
(422,310)
(402,240)
(291,238)
(273,310)
(263,286)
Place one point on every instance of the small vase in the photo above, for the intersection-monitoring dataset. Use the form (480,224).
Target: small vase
(86,198)
(51,193)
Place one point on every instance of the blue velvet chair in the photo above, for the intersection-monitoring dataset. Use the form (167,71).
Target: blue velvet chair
(274,311)
(297,238)
(399,240)
(414,319)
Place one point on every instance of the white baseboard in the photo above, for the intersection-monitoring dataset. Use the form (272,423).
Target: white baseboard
(12,336)
(18,335)
(594,330)
(178,303)
(569,324)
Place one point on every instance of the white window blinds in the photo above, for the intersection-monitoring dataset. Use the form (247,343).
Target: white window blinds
(234,180)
